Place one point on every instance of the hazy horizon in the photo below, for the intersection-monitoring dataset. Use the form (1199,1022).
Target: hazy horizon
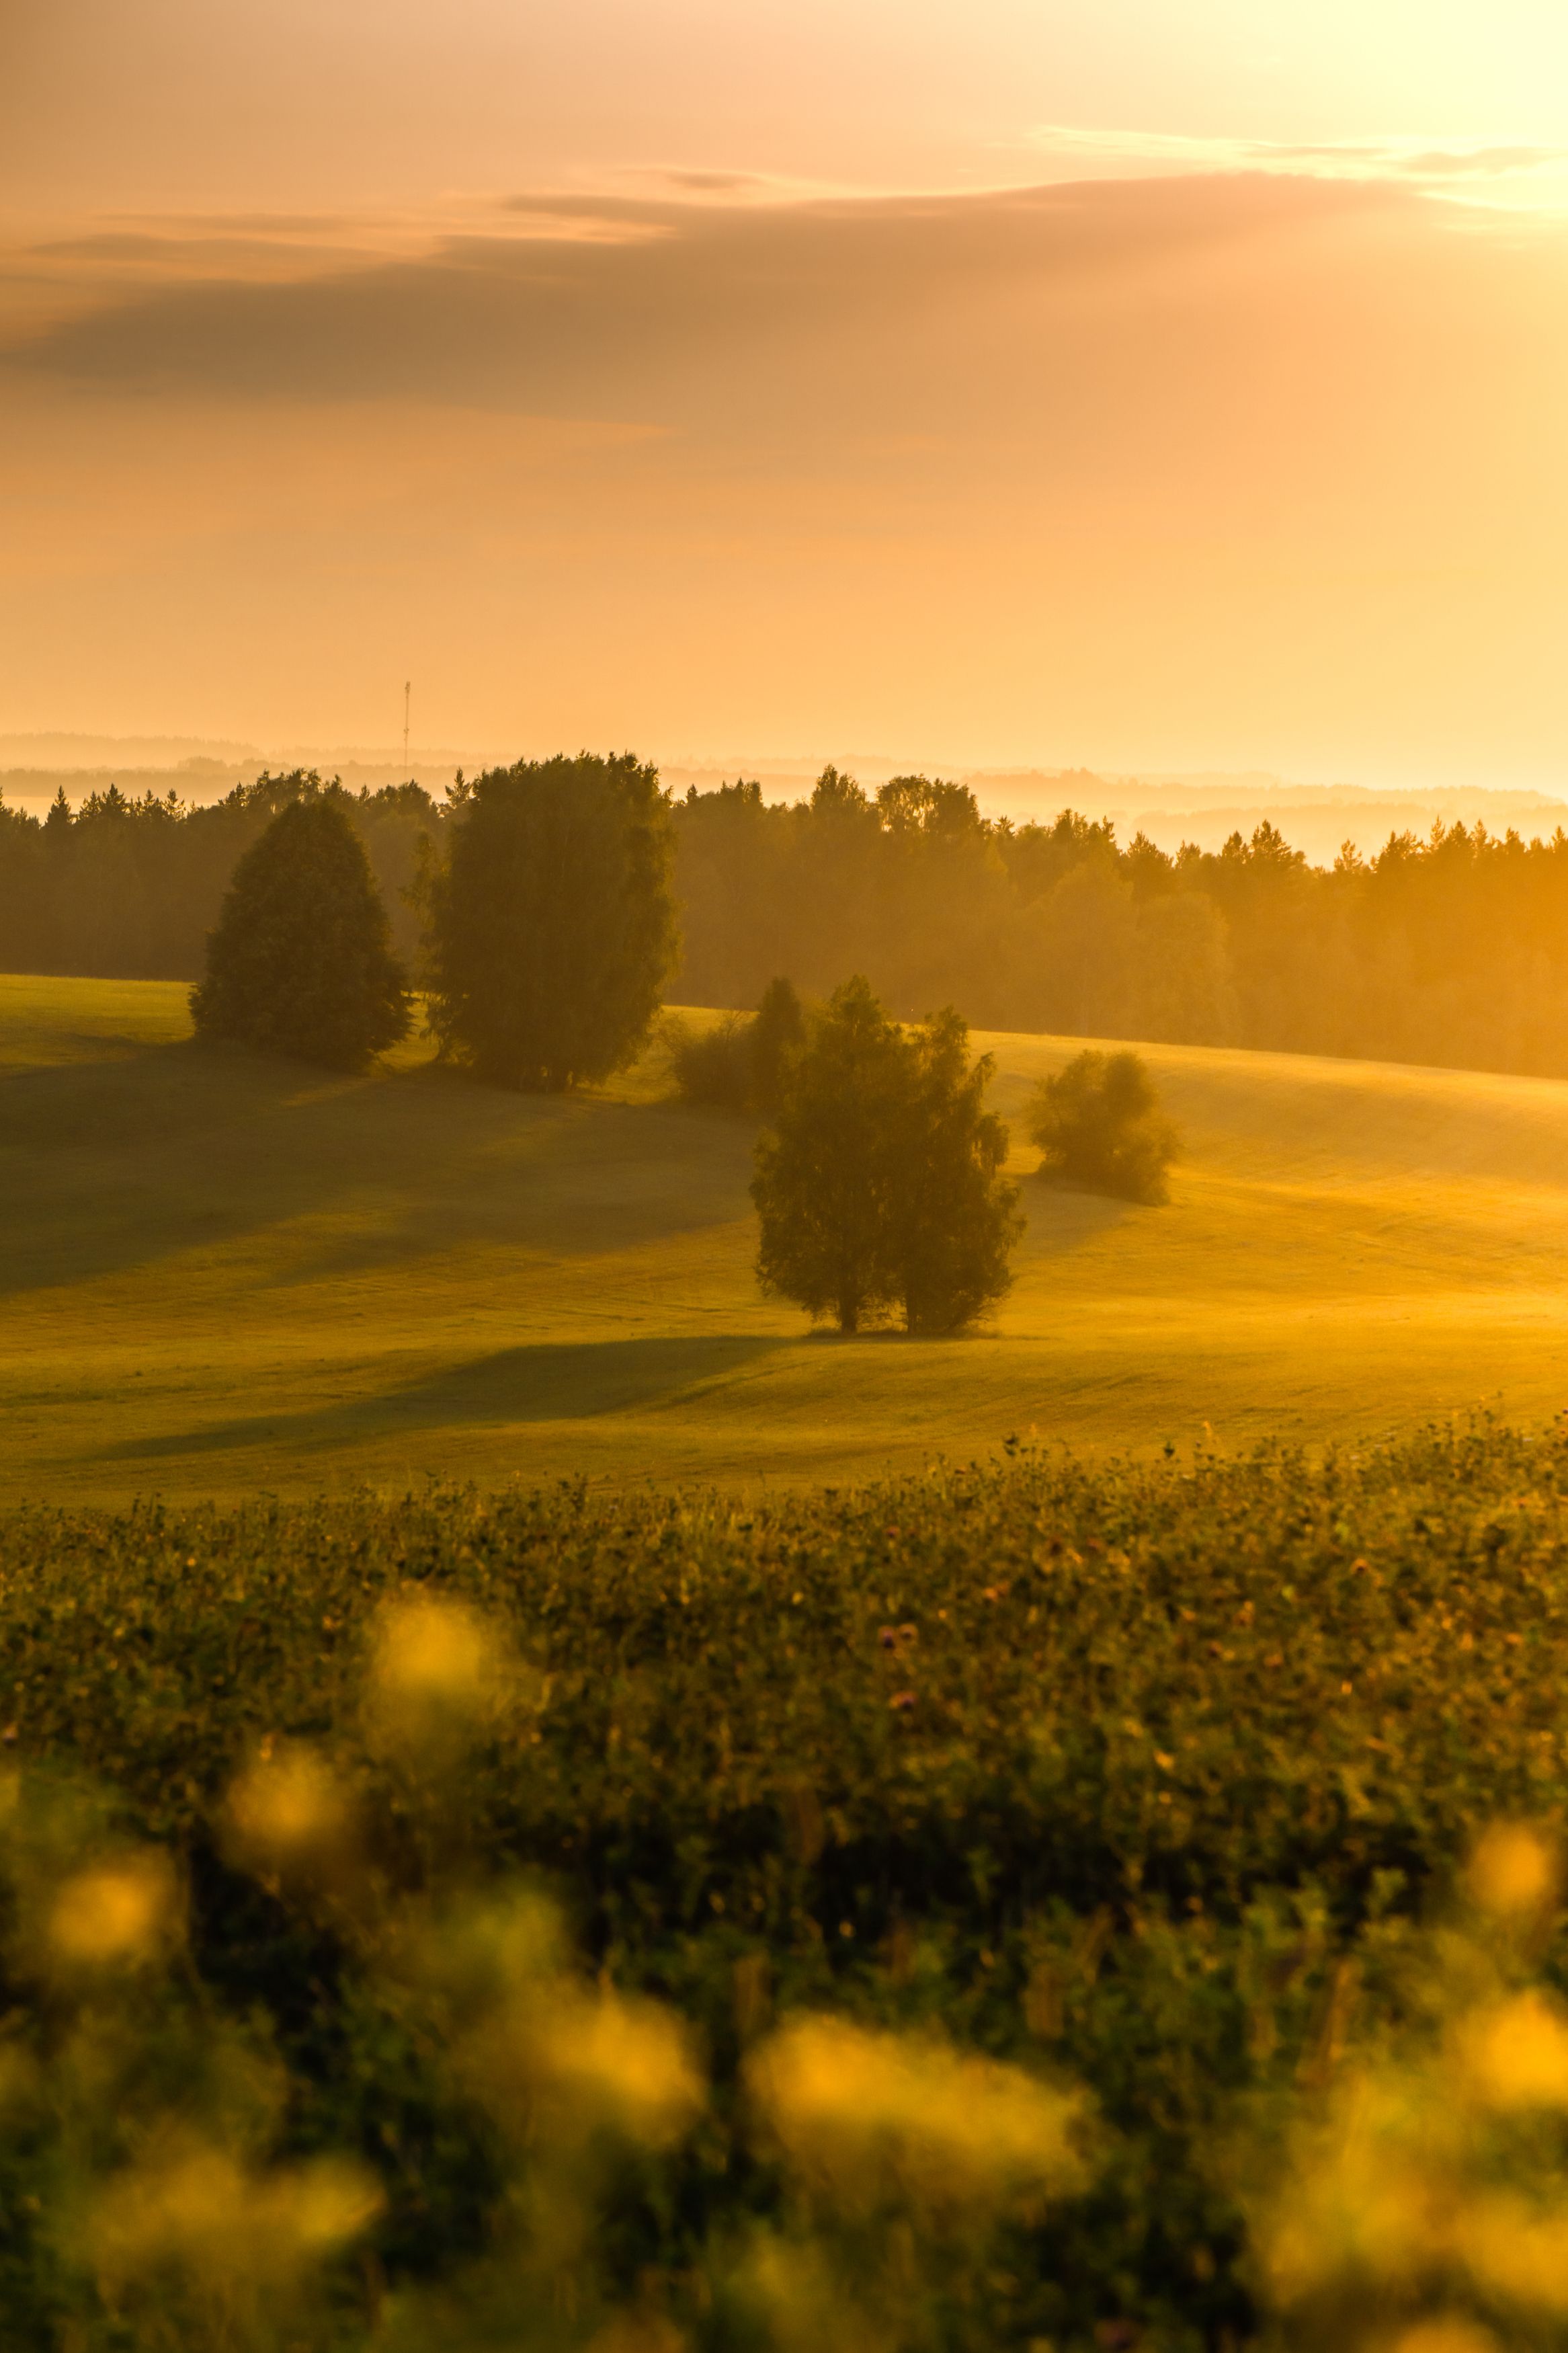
(51,750)
(1202,808)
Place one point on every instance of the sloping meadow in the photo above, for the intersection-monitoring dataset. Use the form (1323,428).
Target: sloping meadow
(929,1914)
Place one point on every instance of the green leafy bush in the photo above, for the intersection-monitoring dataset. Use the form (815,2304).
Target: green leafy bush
(1138,1777)
(1098,1126)
(300,962)
(713,1068)
(739,1064)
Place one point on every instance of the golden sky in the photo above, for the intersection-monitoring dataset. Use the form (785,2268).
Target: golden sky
(1110,381)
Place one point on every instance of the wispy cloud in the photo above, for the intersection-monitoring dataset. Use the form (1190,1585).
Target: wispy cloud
(595,307)
(1487,173)
(99,263)
(103,261)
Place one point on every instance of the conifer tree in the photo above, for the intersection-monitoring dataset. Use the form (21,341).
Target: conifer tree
(300,962)
(551,929)
(24,895)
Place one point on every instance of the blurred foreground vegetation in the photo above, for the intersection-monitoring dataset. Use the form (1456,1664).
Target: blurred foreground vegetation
(1023,1906)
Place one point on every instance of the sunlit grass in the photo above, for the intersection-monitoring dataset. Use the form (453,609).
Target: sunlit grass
(221,1273)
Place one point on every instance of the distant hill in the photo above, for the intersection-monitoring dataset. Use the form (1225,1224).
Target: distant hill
(1206,809)
(52,748)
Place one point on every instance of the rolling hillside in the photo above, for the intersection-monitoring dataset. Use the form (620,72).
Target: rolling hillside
(221,1275)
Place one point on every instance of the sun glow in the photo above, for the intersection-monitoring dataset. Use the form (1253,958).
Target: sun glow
(1109,385)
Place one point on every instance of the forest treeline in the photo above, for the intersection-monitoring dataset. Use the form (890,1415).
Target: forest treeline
(128,889)
(1451,949)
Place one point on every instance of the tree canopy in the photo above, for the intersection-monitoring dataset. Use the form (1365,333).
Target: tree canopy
(300,960)
(550,926)
(956,1219)
(877,1188)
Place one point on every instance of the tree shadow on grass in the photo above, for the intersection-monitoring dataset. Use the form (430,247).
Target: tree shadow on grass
(543,1381)
(126,1163)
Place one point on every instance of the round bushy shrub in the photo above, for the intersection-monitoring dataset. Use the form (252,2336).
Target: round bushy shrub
(1098,1126)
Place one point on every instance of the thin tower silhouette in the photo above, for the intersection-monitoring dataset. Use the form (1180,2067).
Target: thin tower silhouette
(408,690)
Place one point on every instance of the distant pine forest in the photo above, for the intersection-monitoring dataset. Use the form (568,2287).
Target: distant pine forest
(1450,949)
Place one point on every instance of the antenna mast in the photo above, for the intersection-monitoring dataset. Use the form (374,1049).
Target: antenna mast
(407,690)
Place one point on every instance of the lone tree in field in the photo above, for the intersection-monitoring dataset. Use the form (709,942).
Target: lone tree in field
(877,1188)
(551,930)
(300,960)
(957,1218)
(1098,1126)
(826,1177)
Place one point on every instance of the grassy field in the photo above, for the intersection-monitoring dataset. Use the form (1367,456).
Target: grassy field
(223,1275)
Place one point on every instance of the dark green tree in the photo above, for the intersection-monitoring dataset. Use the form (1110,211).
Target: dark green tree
(957,1217)
(774,1038)
(1098,1126)
(551,927)
(24,903)
(827,1175)
(300,960)
(879,1185)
